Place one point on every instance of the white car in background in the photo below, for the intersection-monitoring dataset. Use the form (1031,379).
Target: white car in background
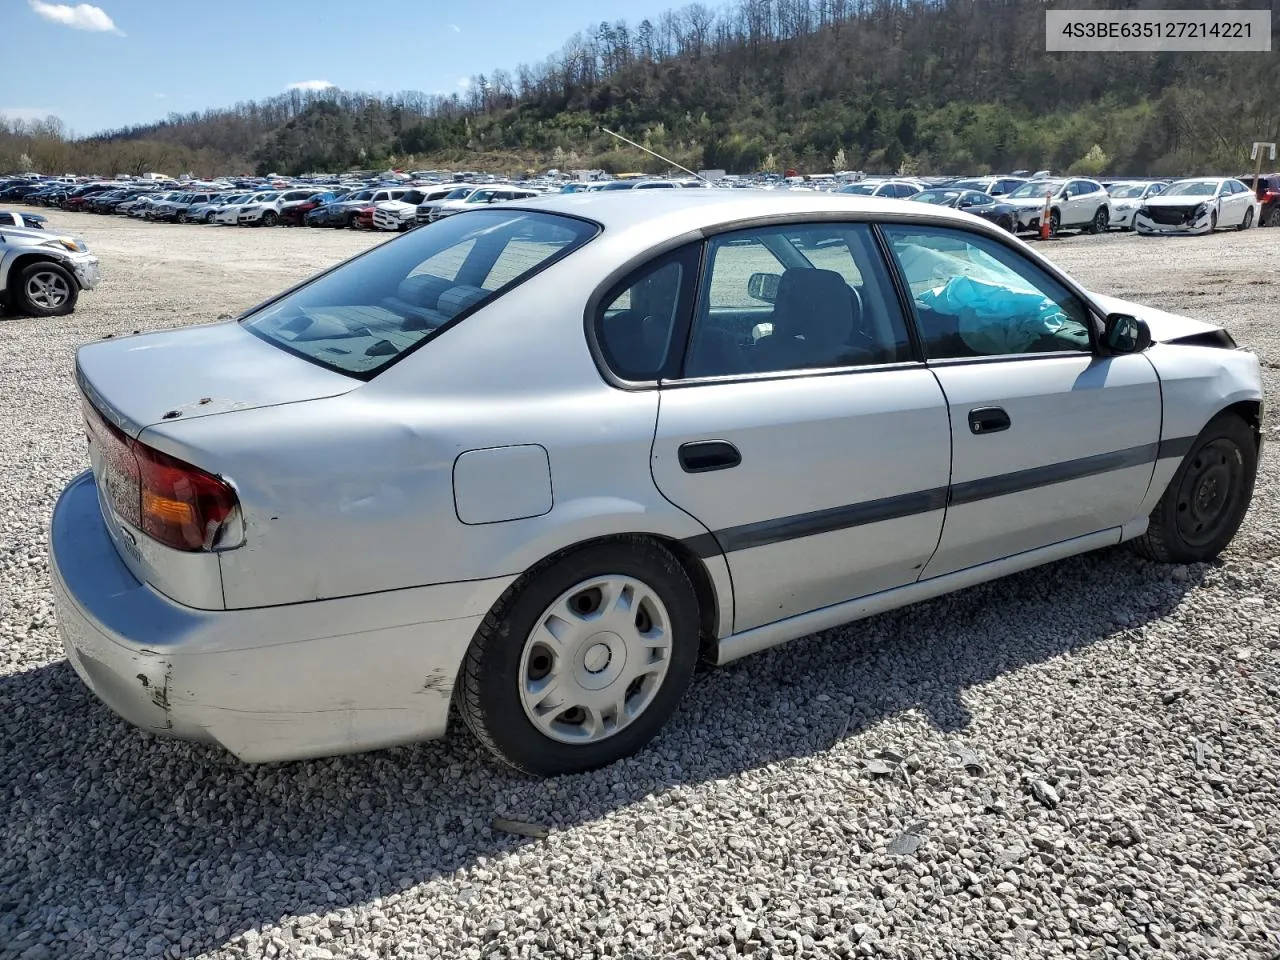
(1198,205)
(266,212)
(1074,203)
(402,213)
(1128,196)
(230,214)
(205,212)
(482,196)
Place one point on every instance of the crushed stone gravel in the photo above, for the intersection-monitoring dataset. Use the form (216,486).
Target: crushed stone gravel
(1078,761)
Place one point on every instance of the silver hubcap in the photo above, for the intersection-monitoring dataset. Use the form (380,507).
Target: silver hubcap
(48,290)
(595,660)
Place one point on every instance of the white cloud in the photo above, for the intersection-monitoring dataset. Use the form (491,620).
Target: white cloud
(455,28)
(464,83)
(311,85)
(26,113)
(83,16)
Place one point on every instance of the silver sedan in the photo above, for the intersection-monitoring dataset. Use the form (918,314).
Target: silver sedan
(537,460)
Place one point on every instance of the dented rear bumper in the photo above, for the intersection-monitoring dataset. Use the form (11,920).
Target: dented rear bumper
(271,683)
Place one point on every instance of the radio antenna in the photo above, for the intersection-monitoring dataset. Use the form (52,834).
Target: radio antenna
(658,155)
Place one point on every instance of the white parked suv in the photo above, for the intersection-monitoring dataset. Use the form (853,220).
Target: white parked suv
(266,212)
(230,214)
(1074,203)
(481,196)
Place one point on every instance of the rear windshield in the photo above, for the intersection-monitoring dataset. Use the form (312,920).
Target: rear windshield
(368,313)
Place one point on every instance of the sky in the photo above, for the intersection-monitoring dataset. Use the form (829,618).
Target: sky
(103,66)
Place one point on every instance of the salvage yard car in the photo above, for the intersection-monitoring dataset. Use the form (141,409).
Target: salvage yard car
(1127,196)
(1073,204)
(43,272)
(1198,205)
(536,459)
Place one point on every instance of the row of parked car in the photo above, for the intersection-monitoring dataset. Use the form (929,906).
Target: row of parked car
(392,207)
(1017,203)
(1147,206)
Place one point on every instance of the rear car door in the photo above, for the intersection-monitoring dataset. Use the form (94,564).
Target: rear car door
(1050,440)
(800,429)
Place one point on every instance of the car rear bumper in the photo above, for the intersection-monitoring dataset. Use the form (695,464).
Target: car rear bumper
(270,683)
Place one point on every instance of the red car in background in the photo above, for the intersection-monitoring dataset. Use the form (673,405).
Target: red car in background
(362,218)
(294,213)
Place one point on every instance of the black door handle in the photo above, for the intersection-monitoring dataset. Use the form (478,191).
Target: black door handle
(703,456)
(988,420)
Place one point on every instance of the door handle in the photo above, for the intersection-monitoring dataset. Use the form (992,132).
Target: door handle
(988,420)
(703,456)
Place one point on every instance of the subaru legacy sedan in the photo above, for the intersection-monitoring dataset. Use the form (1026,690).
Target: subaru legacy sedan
(536,460)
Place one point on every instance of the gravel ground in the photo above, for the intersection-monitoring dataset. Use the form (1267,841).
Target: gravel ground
(1077,761)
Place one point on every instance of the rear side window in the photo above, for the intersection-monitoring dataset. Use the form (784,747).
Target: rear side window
(365,315)
(639,322)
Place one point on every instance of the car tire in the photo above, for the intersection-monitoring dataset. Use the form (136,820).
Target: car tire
(1247,222)
(514,659)
(46,289)
(1101,220)
(1205,502)
(270,218)
(1055,223)
(208,217)
(1213,220)
(1272,218)
(1007,223)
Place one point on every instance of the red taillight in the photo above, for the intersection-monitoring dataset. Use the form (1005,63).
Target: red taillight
(170,500)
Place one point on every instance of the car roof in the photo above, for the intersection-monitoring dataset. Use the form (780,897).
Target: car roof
(689,210)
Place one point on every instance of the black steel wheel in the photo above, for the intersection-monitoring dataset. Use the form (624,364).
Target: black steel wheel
(1205,502)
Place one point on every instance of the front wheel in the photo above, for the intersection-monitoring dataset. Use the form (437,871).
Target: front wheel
(1055,222)
(1247,222)
(1205,502)
(1213,221)
(270,218)
(1101,220)
(47,290)
(582,660)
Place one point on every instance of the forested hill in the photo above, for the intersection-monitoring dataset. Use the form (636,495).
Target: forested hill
(930,86)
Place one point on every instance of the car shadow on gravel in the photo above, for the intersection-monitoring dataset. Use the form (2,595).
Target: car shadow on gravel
(112,841)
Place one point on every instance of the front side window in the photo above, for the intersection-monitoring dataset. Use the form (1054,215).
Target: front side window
(363,316)
(801,297)
(975,297)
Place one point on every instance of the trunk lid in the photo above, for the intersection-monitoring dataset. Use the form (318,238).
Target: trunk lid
(196,372)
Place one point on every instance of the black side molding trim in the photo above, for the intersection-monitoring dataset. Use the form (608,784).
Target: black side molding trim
(1020,480)
(811,524)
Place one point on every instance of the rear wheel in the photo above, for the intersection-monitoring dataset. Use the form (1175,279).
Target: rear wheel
(1247,222)
(583,659)
(47,290)
(1205,502)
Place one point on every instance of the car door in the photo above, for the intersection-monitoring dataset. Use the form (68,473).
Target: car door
(1074,207)
(1050,440)
(800,429)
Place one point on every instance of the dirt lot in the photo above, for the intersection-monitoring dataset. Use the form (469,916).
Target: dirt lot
(1147,697)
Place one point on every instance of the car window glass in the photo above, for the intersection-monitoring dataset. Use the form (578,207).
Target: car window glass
(795,298)
(361,316)
(973,296)
(635,327)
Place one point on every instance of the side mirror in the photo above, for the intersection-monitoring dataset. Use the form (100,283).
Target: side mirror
(763,286)
(1125,334)
(965,202)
